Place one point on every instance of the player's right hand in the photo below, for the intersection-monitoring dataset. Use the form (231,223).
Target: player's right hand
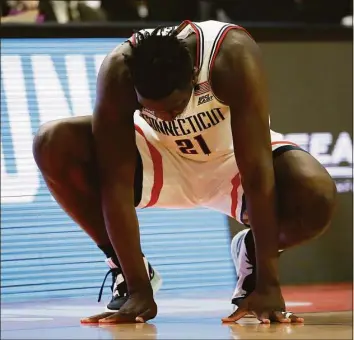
(140,307)
(266,306)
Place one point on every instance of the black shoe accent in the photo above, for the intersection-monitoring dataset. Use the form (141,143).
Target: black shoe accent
(123,290)
(237,301)
(117,302)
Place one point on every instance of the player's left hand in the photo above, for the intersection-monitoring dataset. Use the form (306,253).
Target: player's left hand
(140,307)
(266,306)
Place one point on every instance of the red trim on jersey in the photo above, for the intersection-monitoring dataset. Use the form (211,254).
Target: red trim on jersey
(196,30)
(158,170)
(285,142)
(236,182)
(243,29)
(221,38)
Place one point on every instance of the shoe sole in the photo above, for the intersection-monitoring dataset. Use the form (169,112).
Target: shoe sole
(156,284)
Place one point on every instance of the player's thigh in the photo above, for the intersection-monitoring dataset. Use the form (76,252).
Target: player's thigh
(306,193)
(65,147)
(60,142)
(305,190)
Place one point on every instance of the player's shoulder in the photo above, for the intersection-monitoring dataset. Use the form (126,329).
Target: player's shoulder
(235,50)
(236,57)
(116,96)
(236,41)
(114,63)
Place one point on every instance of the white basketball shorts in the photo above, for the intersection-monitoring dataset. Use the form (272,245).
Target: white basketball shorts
(175,182)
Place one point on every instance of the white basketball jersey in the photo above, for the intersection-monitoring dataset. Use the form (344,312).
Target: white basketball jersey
(203,131)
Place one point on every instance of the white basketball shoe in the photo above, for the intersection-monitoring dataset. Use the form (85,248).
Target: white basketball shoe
(244,258)
(119,286)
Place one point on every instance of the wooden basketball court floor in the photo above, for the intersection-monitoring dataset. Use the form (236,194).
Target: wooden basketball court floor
(189,315)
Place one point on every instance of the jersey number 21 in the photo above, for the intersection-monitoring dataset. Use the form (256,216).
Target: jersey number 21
(187,146)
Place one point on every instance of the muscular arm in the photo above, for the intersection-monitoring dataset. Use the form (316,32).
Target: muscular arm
(114,138)
(238,79)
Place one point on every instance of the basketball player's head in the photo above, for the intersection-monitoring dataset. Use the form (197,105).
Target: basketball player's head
(162,71)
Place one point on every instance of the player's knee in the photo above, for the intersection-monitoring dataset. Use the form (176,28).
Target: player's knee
(52,144)
(320,201)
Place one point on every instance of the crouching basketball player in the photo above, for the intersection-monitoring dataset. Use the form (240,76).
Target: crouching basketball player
(181,121)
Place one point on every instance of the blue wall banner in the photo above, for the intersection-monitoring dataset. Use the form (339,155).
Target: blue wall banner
(43,253)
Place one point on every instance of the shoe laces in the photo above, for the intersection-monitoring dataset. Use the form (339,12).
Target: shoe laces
(114,272)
